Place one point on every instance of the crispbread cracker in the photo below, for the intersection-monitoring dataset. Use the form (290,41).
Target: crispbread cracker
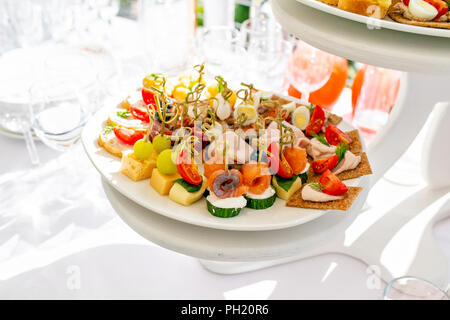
(356,145)
(342,204)
(430,24)
(362,169)
(334,119)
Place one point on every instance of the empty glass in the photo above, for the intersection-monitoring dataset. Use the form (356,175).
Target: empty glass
(412,288)
(267,53)
(59,109)
(222,52)
(167,28)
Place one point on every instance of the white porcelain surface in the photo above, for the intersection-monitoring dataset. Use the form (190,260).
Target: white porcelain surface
(277,217)
(376,23)
(353,40)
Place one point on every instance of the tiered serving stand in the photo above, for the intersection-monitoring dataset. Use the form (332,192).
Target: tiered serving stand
(426,62)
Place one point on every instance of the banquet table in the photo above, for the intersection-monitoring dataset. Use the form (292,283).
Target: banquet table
(61,239)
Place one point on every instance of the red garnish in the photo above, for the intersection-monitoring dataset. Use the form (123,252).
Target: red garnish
(320,166)
(332,185)
(128,136)
(187,168)
(316,122)
(336,136)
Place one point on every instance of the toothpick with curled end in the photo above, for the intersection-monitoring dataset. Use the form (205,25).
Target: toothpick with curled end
(247,93)
(225,91)
(151,121)
(240,121)
(161,103)
(199,68)
(286,138)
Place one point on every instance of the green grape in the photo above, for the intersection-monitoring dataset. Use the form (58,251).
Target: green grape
(161,143)
(164,162)
(143,149)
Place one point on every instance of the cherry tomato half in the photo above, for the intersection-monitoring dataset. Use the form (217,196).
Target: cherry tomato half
(335,136)
(316,122)
(187,169)
(149,97)
(128,136)
(332,185)
(285,169)
(139,113)
(320,166)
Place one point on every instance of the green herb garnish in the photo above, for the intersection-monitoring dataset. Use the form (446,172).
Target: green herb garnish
(123,114)
(109,128)
(220,87)
(188,186)
(341,149)
(311,107)
(320,138)
(316,186)
(154,76)
(286,183)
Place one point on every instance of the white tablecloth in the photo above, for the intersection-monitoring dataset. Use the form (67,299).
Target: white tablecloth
(60,238)
(57,225)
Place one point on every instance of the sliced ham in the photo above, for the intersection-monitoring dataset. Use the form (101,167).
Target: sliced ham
(317,150)
(349,162)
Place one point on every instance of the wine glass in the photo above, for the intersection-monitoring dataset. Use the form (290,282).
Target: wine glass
(309,68)
(59,109)
(267,53)
(222,52)
(413,288)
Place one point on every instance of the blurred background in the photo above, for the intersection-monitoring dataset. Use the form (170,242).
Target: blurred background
(70,57)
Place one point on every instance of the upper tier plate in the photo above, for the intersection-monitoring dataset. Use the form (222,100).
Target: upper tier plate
(376,23)
(276,217)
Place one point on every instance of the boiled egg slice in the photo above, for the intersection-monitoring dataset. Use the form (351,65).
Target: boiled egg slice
(422,9)
(300,117)
(249,111)
(289,107)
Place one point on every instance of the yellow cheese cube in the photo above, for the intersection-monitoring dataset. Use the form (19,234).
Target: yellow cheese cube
(283,194)
(137,169)
(163,182)
(182,196)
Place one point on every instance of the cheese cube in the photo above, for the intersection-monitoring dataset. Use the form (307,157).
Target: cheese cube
(162,183)
(137,169)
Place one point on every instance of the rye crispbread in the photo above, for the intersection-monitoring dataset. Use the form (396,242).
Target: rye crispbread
(430,24)
(342,204)
(362,169)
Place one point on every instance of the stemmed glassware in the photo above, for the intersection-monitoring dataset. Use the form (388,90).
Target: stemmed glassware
(308,69)
(59,109)
(413,288)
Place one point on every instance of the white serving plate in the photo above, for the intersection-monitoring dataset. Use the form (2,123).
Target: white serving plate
(373,23)
(276,217)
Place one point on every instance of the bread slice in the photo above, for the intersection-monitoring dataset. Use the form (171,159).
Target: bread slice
(371,8)
(136,169)
(330,2)
(108,141)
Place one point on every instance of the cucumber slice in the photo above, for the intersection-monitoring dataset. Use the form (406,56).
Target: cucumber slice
(304,177)
(259,204)
(222,212)
(304,174)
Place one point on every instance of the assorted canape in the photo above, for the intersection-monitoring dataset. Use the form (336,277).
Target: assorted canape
(196,139)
